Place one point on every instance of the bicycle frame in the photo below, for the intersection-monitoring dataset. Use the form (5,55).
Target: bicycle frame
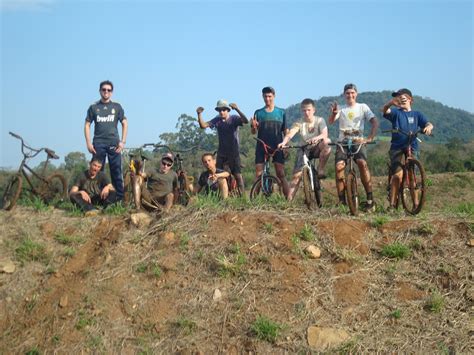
(269,152)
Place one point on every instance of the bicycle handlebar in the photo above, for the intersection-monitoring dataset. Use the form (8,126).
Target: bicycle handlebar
(48,151)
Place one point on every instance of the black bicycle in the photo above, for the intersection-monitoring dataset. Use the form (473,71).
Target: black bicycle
(350,174)
(51,189)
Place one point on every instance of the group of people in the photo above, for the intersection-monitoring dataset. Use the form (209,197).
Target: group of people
(269,124)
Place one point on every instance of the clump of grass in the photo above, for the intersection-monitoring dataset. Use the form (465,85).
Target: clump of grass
(435,303)
(231,265)
(268,228)
(464,208)
(33,351)
(29,250)
(71,209)
(306,233)
(379,221)
(188,326)
(426,229)
(416,244)
(396,314)
(151,269)
(35,202)
(206,201)
(396,251)
(184,239)
(116,209)
(69,252)
(265,329)
(65,239)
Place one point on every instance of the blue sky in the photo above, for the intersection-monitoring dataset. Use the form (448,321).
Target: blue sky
(167,58)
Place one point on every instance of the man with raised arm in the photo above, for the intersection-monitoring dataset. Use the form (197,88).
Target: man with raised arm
(227,127)
(213,179)
(352,117)
(269,123)
(92,188)
(313,130)
(402,117)
(106,114)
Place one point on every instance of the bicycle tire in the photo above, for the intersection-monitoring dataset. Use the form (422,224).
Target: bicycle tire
(309,194)
(269,183)
(12,192)
(408,193)
(54,189)
(317,188)
(352,194)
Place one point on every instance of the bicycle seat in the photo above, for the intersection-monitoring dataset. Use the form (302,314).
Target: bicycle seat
(51,153)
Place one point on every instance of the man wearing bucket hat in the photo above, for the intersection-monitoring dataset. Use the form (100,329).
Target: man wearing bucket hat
(161,184)
(402,117)
(227,127)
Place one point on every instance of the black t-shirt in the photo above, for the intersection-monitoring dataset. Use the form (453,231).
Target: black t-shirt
(206,183)
(93,186)
(106,117)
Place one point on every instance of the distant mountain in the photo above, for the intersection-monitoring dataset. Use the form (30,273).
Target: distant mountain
(449,122)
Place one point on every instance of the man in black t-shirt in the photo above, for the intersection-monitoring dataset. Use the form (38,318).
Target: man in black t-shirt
(213,179)
(106,114)
(91,188)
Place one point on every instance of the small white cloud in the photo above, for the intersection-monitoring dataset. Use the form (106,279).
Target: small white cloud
(25,5)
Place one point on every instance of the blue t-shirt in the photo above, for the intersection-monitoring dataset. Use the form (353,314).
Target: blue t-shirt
(228,134)
(271,126)
(406,121)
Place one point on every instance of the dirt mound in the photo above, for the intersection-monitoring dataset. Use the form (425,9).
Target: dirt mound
(394,284)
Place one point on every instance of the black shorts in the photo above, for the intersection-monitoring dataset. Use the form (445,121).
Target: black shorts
(396,158)
(260,155)
(341,155)
(233,162)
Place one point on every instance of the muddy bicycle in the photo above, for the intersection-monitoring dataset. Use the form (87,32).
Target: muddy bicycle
(412,188)
(51,189)
(266,184)
(353,147)
(311,183)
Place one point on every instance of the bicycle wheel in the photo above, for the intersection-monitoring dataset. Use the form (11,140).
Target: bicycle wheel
(352,194)
(266,186)
(12,192)
(309,193)
(317,188)
(413,188)
(54,190)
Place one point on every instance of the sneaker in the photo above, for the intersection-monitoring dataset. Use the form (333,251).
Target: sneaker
(391,209)
(370,207)
(92,213)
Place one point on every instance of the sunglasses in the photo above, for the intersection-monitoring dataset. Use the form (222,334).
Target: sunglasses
(166,163)
(106,90)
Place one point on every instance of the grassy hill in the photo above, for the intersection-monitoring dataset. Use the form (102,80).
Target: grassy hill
(234,278)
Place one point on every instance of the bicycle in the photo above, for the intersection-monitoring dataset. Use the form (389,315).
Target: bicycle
(50,188)
(266,184)
(412,189)
(311,183)
(350,174)
(137,158)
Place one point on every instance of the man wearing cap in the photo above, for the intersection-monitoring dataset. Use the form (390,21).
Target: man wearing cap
(402,117)
(227,127)
(161,184)
(269,123)
(352,117)
(106,114)
(92,188)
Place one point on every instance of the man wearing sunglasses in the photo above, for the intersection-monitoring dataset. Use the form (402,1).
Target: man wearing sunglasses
(161,184)
(227,127)
(106,114)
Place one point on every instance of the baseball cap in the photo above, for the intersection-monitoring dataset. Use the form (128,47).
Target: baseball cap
(402,92)
(168,156)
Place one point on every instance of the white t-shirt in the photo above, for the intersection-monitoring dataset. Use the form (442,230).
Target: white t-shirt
(352,118)
(310,130)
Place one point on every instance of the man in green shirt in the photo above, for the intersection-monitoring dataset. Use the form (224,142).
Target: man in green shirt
(92,188)
(161,184)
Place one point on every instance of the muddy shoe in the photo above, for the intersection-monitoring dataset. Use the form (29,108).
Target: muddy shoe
(369,206)
(92,213)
